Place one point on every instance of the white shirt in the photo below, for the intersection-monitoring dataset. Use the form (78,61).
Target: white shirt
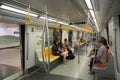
(102,53)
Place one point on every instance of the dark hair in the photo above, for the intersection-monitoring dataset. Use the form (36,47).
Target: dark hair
(54,42)
(65,39)
(103,41)
(60,43)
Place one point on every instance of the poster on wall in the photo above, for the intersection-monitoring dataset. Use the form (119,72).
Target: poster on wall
(38,44)
(38,40)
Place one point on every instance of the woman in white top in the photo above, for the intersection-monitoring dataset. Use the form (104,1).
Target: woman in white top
(101,54)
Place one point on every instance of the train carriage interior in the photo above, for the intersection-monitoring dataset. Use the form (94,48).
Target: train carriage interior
(59,40)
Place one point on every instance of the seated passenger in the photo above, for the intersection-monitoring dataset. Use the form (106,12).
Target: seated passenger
(65,44)
(101,55)
(69,49)
(93,52)
(81,39)
(58,50)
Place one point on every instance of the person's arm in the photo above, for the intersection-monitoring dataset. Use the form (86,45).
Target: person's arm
(91,52)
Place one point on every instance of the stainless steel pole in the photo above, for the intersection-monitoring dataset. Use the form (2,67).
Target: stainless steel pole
(79,52)
(43,46)
(48,41)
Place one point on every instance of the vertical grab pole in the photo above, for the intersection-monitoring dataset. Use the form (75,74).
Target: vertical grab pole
(43,46)
(95,49)
(79,52)
(115,30)
(95,55)
(86,43)
(48,40)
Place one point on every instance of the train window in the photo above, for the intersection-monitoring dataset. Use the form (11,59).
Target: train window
(70,37)
(57,34)
(9,34)
(50,37)
(54,34)
(107,31)
(78,35)
(81,35)
(104,33)
(10,50)
(111,35)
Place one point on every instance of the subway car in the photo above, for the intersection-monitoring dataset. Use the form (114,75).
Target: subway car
(59,40)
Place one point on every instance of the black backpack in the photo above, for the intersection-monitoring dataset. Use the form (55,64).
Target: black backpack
(70,55)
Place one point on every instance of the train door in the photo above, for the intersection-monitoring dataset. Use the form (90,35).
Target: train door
(70,36)
(10,51)
(33,44)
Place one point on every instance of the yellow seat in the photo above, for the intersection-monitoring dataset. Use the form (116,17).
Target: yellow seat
(52,57)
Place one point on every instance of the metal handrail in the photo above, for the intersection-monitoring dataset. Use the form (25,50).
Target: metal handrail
(45,29)
(43,46)
(48,43)
(116,50)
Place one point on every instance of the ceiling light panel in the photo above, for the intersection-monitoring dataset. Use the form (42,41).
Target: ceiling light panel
(17,10)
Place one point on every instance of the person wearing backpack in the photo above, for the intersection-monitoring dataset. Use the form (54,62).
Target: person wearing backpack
(70,50)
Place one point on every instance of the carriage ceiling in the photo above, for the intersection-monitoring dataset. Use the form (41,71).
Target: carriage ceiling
(66,10)
(104,10)
(71,10)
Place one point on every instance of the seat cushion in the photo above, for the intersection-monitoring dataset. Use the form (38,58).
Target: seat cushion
(52,57)
(99,65)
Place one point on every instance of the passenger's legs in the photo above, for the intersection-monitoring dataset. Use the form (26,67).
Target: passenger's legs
(64,54)
(91,63)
